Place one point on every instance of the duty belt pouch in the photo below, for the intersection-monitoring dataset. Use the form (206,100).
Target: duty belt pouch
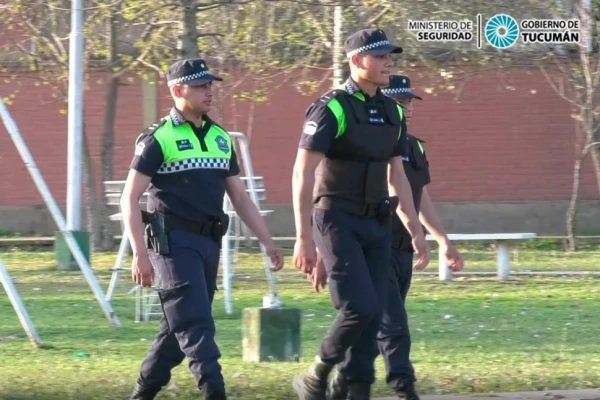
(156,232)
(386,208)
(220,228)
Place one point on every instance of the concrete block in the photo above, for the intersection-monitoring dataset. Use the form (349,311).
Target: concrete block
(271,334)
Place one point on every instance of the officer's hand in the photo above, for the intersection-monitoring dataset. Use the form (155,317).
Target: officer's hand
(305,255)
(422,249)
(453,257)
(318,276)
(142,272)
(276,258)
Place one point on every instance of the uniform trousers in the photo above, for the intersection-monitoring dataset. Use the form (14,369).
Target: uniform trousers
(188,280)
(356,254)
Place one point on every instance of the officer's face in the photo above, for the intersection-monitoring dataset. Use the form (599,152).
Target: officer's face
(408,108)
(196,98)
(376,68)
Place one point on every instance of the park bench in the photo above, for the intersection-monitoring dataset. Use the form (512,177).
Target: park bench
(503,242)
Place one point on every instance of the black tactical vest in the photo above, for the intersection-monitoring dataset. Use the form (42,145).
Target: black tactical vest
(417,172)
(356,167)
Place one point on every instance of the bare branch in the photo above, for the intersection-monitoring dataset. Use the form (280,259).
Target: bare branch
(556,88)
(144,54)
(151,66)
(115,3)
(152,10)
(378,16)
(158,23)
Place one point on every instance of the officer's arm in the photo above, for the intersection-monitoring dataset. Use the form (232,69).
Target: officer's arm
(319,131)
(146,161)
(399,186)
(135,185)
(432,222)
(430,219)
(303,183)
(246,209)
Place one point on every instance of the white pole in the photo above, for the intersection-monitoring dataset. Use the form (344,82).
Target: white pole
(245,150)
(75,117)
(14,298)
(503,258)
(226,262)
(118,267)
(445,274)
(11,127)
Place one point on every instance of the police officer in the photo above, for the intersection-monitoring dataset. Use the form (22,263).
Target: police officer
(350,138)
(187,162)
(394,336)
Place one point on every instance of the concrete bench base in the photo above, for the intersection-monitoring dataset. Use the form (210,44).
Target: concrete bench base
(271,334)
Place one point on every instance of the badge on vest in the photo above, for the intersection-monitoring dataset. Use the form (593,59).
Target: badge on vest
(184,144)
(375,116)
(222,144)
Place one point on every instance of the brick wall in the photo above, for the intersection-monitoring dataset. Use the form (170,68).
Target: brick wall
(505,137)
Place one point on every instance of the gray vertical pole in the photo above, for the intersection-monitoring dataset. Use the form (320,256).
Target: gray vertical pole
(75,116)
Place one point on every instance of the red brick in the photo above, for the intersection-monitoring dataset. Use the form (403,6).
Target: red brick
(492,144)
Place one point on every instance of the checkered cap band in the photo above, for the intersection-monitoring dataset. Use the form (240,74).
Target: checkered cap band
(188,78)
(193,163)
(367,47)
(396,91)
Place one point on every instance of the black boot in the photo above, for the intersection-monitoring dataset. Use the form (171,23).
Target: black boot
(408,392)
(313,385)
(337,388)
(359,391)
(142,393)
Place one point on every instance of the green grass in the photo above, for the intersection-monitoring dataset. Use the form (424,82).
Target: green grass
(472,335)
(542,255)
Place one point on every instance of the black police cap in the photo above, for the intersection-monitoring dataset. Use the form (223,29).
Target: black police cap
(190,72)
(370,41)
(399,88)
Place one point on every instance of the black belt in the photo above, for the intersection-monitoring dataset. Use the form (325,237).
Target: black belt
(362,210)
(382,210)
(214,228)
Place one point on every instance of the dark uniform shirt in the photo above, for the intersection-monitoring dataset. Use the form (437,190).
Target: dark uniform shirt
(193,187)
(321,125)
(416,168)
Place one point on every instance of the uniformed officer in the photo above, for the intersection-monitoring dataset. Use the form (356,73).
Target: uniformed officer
(187,162)
(351,136)
(394,336)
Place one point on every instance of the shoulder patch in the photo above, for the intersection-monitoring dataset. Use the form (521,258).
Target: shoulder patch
(150,130)
(327,97)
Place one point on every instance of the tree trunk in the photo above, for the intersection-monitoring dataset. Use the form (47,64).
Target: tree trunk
(572,210)
(596,161)
(90,194)
(189,38)
(338,49)
(108,142)
(108,134)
